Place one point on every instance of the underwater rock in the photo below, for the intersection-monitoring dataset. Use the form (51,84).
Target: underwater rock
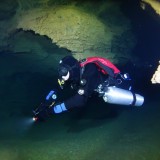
(83,30)
(68,27)
(156,75)
(155,4)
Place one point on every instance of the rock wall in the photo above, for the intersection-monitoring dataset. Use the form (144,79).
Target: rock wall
(86,29)
(68,27)
(81,32)
(155,4)
(156,75)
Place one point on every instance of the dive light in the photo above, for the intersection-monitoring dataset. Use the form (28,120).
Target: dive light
(43,107)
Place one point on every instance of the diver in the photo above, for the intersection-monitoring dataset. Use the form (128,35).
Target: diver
(90,75)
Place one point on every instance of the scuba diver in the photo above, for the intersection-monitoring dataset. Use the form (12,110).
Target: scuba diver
(90,75)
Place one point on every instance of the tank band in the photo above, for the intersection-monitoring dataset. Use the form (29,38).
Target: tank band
(134,99)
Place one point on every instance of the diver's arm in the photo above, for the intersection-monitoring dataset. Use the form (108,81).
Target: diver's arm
(75,101)
(91,75)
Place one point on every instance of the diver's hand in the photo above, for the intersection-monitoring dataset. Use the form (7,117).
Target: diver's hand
(59,108)
(45,111)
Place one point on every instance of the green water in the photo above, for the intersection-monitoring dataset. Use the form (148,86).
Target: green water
(98,132)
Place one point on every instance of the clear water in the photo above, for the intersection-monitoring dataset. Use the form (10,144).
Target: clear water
(98,131)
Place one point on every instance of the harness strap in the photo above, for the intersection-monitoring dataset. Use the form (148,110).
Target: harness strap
(82,71)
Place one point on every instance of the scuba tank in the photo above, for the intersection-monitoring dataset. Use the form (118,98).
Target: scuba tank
(115,95)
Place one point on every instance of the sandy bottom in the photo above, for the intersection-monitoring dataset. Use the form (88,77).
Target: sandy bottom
(133,134)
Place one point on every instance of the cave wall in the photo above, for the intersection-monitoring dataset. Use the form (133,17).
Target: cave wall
(155,4)
(85,28)
(152,7)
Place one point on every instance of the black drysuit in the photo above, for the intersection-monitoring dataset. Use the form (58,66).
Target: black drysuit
(93,78)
